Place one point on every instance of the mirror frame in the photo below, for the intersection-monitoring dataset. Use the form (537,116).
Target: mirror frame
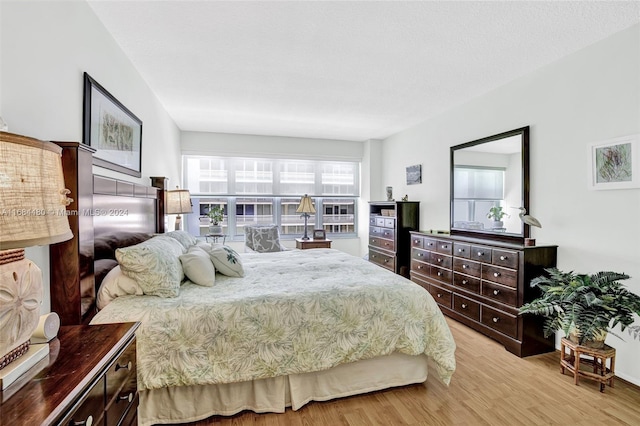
(513,238)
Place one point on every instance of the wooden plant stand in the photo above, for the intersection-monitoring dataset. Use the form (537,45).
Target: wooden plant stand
(578,356)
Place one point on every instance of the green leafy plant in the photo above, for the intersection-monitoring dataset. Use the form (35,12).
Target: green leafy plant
(216,214)
(496,213)
(585,306)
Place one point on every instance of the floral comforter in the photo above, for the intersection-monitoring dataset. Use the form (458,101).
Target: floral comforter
(293,312)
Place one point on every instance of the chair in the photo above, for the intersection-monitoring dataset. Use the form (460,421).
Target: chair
(262,239)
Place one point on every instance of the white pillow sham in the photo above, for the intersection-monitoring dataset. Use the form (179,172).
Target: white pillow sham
(116,284)
(198,267)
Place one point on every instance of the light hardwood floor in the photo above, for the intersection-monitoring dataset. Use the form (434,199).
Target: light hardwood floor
(490,387)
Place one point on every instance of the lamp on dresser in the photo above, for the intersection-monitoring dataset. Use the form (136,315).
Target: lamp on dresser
(32,213)
(306,208)
(178,202)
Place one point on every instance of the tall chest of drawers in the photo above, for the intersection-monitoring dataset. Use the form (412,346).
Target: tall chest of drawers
(389,225)
(482,283)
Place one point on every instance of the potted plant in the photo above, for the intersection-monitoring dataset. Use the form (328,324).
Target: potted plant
(584,307)
(216,215)
(497,214)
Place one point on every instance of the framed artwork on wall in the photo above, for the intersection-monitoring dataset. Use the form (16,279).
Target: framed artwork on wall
(615,163)
(414,174)
(112,130)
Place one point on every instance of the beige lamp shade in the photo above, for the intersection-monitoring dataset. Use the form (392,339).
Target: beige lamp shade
(32,193)
(306,205)
(178,202)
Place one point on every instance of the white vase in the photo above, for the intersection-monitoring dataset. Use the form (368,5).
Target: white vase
(215,229)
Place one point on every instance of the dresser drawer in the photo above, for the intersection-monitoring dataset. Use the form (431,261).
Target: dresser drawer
(416,241)
(380,221)
(506,258)
(389,223)
(429,243)
(419,254)
(388,233)
(372,220)
(500,275)
(440,260)
(121,382)
(442,296)
(445,247)
(382,259)
(466,307)
(375,231)
(462,250)
(465,266)
(440,274)
(91,410)
(481,253)
(418,280)
(123,401)
(500,293)
(500,321)
(420,267)
(466,282)
(382,243)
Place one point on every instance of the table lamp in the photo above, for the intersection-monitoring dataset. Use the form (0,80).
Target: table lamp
(32,213)
(178,202)
(306,207)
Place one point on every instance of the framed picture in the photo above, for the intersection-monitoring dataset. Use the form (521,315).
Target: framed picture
(112,130)
(615,163)
(318,234)
(414,174)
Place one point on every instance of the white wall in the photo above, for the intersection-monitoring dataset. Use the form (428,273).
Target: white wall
(589,96)
(203,143)
(45,48)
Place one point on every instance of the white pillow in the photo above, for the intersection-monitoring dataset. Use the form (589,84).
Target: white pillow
(198,267)
(186,239)
(226,261)
(116,284)
(154,264)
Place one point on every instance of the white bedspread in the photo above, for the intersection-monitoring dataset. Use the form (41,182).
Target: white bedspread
(293,312)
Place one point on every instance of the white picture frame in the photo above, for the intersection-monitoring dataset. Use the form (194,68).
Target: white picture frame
(614,163)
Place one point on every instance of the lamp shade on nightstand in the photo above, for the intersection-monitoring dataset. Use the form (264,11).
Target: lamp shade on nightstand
(33,212)
(178,202)
(306,207)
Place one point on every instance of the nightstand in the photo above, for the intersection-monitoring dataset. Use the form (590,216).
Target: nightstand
(88,378)
(311,243)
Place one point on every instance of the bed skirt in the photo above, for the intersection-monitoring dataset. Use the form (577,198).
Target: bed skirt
(185,404)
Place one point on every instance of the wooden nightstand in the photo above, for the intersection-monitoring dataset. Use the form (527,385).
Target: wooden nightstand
(88,378)
(311,243)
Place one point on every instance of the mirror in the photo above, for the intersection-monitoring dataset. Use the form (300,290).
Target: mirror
(489,183)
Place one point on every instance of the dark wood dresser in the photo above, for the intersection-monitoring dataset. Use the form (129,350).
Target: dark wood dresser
(389,225)
(88,379)
(482,283)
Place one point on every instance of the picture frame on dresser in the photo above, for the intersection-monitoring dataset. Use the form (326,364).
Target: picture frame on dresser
(112,130)
(319,234)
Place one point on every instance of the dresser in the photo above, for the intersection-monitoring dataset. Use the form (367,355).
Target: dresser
(482,283)
(88,379)
(389,225)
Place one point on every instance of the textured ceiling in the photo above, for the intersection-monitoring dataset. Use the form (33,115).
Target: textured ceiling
(342,70)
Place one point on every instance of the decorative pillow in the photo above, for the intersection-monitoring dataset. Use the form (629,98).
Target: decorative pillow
(186,239)
(226,261)
(198,267)
(266,239)
(154,264)
(116,284)
(248,236)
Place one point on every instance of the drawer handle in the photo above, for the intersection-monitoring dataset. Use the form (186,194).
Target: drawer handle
(87,422)
(373,256)
(503,257)
(480,253)
(439,260)
(444,246)
(464,282)
(496,274)
(416,241)
(439,295)
(495,319)
(496,292)
(128,397)
(465,266)
(386,244)
(419,266)
(460,250)
(386,261)
(127,366)
(420,254)
(464,306)
(373,241)
(439,273)
(430,244)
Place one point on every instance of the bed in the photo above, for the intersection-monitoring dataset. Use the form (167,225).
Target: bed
(300,325)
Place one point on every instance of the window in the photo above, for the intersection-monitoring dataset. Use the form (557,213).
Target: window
(266,191)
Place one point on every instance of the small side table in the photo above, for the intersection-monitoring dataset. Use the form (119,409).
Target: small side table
(216,237)
(311,243)
(596,358)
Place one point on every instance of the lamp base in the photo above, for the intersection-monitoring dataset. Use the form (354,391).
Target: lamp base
(14,354)
(178,222)
(13,371)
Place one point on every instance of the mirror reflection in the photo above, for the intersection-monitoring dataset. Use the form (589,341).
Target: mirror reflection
(488,185)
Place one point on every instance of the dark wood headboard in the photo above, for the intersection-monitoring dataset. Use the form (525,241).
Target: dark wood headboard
(101,205)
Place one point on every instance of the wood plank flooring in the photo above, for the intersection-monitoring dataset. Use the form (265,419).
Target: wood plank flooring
(490,387)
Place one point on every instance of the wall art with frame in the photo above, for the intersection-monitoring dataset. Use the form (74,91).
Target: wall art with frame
(414,174)
(615,163)
(112,130)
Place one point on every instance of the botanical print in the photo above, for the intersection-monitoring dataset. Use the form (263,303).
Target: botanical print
(114,134)
(613,163)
